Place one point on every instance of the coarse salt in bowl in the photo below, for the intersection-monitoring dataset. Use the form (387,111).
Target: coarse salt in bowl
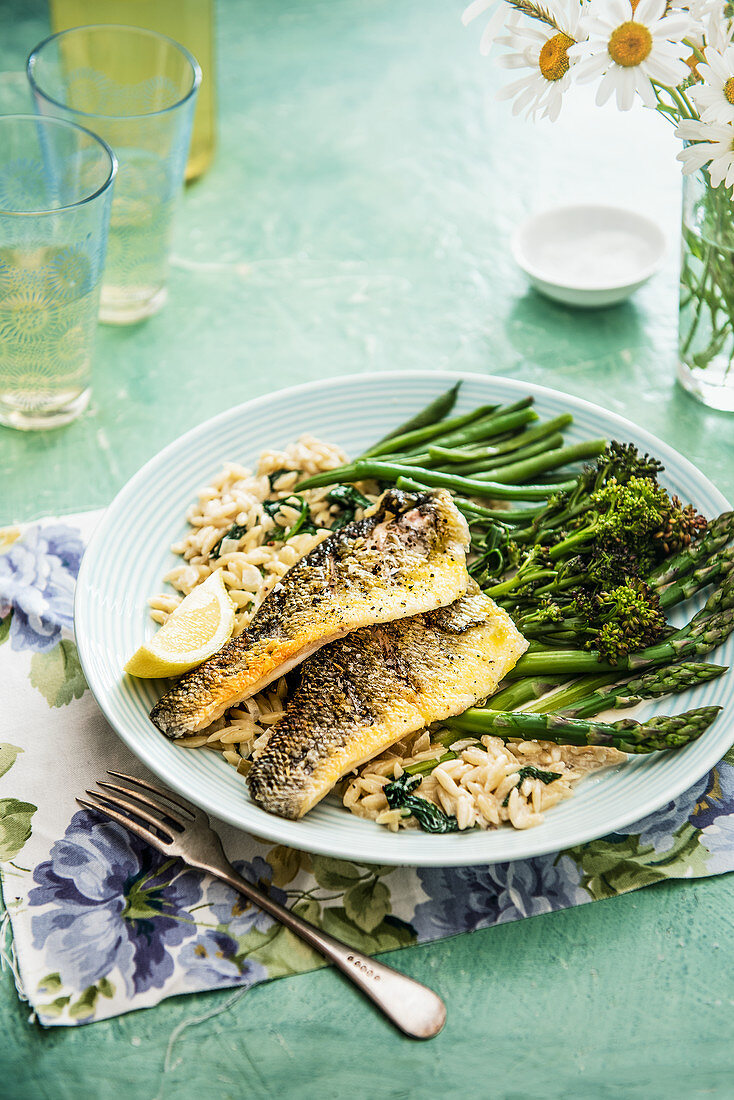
(588,256)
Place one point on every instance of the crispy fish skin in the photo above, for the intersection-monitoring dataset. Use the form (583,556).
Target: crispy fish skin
(406,558)
(364,692)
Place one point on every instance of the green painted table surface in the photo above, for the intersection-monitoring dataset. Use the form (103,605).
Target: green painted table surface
(357,218)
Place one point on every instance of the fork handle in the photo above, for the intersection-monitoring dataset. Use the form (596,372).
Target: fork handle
(416,1010)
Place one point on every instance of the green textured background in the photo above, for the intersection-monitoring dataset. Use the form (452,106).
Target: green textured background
(357,218)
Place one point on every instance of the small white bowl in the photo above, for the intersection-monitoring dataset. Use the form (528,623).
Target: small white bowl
(588,256)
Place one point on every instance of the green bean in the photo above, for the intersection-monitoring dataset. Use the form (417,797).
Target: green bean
(533,467)
(487,465)
(398,444)
(489,428)
(389,472)
(504,515)
(436,410)
(541,431)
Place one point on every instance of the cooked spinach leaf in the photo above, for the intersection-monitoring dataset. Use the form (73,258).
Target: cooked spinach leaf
(529,772)
(235,532)
(272,478)
(429,817)
(348,500)
(304,525)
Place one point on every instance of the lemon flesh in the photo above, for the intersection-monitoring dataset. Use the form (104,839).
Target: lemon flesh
(198,627)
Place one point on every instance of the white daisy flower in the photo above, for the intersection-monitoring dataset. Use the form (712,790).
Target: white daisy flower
(494,26)
(710,28)
(711,143)
(543,49)
(629,46)
(715,97)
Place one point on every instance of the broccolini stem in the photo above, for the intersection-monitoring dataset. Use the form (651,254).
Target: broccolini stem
(679,590)
(695,640)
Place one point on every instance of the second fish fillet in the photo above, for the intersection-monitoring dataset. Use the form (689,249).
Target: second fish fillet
(366,691)
(406,558)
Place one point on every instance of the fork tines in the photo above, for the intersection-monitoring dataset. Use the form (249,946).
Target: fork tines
(132,808)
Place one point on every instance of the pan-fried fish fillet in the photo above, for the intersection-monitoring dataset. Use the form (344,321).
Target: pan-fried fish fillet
(363,693)
(406,558)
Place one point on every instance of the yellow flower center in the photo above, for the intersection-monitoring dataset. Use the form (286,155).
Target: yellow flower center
(553,59)
(630,44)
(729,90)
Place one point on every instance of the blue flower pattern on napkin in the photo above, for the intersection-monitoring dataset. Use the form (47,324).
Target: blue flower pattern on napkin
(214,960)
(37,576)
(116,903)
(462,899)
(234,910)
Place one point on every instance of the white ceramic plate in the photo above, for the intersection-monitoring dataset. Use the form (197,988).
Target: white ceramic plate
(588,256)
(129,554)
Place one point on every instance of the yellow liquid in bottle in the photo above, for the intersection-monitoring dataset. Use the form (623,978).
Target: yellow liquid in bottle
(190,22)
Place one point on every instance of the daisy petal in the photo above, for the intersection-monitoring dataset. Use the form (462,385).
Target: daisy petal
(478,7)
(648,11)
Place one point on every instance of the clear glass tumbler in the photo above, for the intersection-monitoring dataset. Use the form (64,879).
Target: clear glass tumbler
(137,90)
(55,196)
(190,22)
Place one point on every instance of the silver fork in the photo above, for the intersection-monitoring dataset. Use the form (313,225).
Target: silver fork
(183,830)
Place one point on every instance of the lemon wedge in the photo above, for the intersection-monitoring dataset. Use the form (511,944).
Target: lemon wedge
(199,626)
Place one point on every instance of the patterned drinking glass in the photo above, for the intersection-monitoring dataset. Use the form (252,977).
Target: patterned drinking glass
(137,90)
(55,197)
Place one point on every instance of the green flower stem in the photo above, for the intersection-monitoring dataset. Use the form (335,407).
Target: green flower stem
(698,294)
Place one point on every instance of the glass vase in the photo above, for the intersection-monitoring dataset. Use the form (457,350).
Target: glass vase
(706,317)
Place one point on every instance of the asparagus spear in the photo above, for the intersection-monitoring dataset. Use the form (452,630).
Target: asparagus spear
(719,565)
(718,533)
(653,735)
(523,691)
(668,680)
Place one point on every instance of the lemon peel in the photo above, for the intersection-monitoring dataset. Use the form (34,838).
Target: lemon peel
(195,630)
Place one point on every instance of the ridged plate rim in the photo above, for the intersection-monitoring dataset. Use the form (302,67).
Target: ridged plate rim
(115,581)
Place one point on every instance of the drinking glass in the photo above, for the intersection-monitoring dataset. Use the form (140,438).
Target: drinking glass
(190,22)
(137,90)
(55,196)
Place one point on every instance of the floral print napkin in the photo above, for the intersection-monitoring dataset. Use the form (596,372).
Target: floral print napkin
(100,924)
